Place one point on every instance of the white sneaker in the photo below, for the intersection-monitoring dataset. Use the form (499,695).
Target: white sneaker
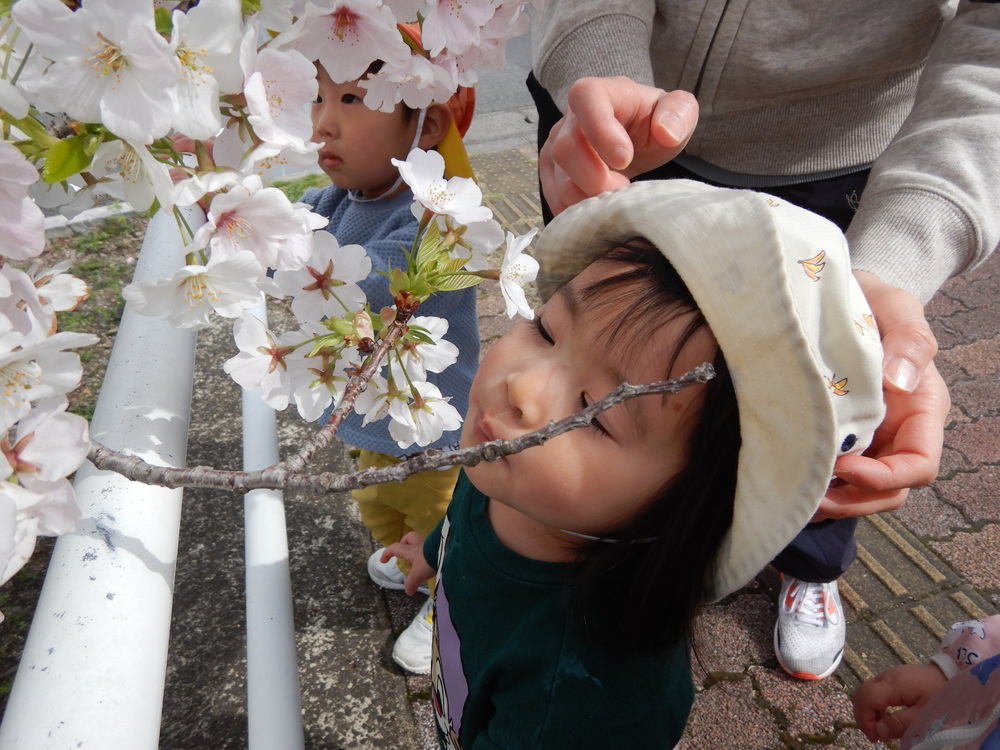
(413,647)
(810,633)
(388,575)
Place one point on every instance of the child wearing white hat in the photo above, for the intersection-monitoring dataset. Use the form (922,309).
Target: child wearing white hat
(569,575)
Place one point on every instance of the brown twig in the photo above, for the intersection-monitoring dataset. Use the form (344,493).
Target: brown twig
(280,477)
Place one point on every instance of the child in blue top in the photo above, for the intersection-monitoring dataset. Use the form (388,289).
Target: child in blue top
(569,575)
(369,205)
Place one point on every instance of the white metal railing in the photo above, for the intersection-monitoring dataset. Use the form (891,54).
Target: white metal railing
(93,668)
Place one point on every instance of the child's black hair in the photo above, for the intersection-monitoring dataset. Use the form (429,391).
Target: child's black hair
(640,594)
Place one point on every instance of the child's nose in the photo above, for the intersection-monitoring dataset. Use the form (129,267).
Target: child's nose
(324,121)
(532,396)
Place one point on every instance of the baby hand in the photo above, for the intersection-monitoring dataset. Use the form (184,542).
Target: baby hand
(908,685)
(411,548)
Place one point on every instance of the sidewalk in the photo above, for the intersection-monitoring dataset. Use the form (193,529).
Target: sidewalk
(920,569)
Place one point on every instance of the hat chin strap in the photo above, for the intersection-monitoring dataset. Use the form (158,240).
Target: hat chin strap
(590,538)
(355,195)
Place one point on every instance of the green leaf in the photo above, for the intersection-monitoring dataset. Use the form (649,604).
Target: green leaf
(458,281)
(66,158)
(430,245)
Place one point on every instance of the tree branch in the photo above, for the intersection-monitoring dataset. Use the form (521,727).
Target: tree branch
(280,477)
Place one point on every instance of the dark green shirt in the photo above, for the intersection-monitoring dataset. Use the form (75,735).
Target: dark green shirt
(510,670)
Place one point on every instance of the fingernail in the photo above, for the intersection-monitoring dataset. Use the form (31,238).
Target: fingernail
(674,125)
(902,373)
(883,730)
(621,157)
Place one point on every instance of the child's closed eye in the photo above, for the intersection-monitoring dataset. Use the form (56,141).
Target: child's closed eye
(594,423)
(539,329)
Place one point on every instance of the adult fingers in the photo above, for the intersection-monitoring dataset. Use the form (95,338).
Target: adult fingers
(907,340)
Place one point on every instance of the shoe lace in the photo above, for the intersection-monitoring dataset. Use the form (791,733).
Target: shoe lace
(810,605)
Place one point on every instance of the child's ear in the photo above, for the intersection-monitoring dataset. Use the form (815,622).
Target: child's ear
(436,121)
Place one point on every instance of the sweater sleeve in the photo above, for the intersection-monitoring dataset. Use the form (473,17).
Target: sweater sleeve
(566,34)
(931,208)
(968,643)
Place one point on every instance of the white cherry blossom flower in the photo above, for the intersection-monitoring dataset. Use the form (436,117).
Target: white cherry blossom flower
(133,175)
(418,82)
(22,307)
(35,366)
(423,420)
(226,285)
(347,36)
(458,197)
(23,234)
(249,216)
(261,361)
(418,358)
(327,284)
(202,38)
(318,381)
(18,531)
(491,51)
(60,290)
(373,401)
(516,270)
(110,65)
(277,90)
(455,25)
(49,444)
(479,239)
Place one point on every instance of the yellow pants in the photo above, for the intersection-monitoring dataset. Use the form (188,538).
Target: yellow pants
(391,511)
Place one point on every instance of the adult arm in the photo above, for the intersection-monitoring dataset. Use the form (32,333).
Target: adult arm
(931,209)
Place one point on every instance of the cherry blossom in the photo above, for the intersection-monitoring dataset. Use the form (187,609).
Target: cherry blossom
(516,270)
(35,496)
(202,39)
(249,216)
(458,197)
(454,25)
(23,234)
(109,64)
(317,381)
(419,356)
(35,367)
(417,82)
(346,36)
(59,290)
(277,90)
(132,174)
(49,444)
(21,306)
(261,361)
(423,420)
(226,285)
(477,240)
(327,284)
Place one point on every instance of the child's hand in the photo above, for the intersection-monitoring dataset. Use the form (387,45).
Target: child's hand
(909,685)
(411,548)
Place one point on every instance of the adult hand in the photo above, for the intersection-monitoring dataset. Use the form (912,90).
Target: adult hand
(613,130)
(906,450)
(909,685)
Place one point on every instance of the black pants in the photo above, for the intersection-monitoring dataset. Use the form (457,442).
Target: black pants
(822,551)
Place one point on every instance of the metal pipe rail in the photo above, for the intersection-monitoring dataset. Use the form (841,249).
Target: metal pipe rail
(94,664)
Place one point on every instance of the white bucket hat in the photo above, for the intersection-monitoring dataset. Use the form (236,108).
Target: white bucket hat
(774,283)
